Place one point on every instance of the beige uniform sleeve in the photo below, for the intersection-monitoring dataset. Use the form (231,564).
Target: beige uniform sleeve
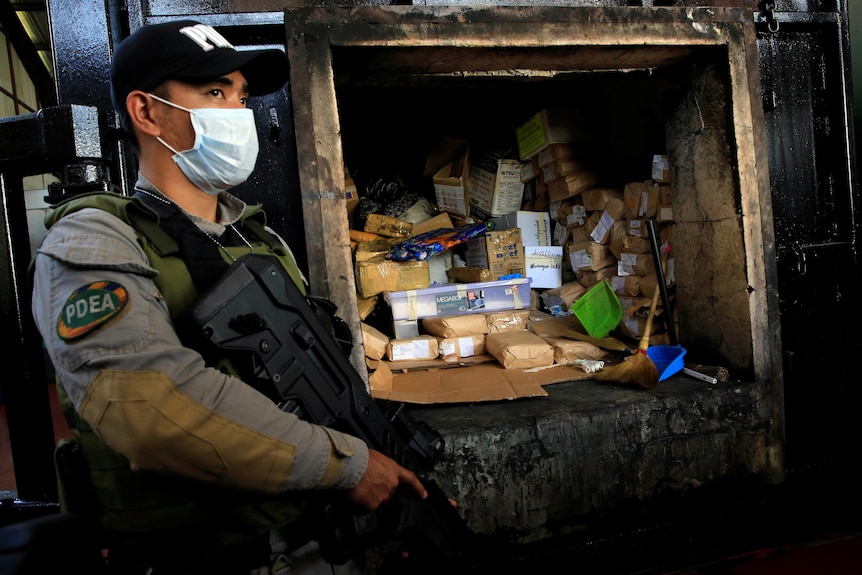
(109,335)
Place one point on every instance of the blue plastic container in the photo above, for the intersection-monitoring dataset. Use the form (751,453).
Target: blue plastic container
(667,359)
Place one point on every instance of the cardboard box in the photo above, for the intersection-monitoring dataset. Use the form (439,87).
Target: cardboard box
(468,274)
(419,347)
(501,251)
(535,226)
(388,226)
(494,184)
(440,221)
(373,249)
(379,275)
(450,187)
(549,126)
(544,266)
(519,349)
(455,299)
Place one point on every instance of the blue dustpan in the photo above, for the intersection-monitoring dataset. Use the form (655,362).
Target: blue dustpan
(667,359)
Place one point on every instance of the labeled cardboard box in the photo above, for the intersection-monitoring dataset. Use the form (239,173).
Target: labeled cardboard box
(535,226)
(450,187)
(501,251)
(544,266)
(494,184)
(379,275)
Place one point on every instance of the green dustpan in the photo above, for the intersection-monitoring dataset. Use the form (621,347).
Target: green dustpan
(599,310)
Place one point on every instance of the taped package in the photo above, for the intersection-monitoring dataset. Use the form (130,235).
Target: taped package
(519,349)
(420,347)
(455,325)
(452,349)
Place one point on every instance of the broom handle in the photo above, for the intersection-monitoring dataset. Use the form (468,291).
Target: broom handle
(644,344)
(660,261)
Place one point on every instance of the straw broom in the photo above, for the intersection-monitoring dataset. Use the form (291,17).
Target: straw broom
(638,368)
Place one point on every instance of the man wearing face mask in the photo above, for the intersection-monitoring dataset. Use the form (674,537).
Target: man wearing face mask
(191,469)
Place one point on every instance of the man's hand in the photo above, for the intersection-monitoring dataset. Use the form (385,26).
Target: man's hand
(381,479)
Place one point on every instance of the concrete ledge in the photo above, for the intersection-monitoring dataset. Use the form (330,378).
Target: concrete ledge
(533,469)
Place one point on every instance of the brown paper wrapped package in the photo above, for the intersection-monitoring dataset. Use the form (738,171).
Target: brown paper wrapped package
(519,349)
(456,325)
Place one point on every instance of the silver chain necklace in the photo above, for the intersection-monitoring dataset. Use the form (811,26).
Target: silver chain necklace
(200,229)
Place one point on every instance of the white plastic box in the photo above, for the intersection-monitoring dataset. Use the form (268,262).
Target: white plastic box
(450,299)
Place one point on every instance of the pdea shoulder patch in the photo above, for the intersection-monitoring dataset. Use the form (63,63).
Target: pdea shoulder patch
(90,307)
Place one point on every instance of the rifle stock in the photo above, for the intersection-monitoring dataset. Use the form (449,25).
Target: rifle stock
(256,317)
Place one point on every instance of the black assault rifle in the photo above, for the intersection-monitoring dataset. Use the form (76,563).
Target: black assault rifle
(257,317)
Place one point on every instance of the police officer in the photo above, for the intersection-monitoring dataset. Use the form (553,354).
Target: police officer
(192,470)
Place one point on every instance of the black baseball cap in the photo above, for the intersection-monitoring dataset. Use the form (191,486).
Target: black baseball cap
(186,50)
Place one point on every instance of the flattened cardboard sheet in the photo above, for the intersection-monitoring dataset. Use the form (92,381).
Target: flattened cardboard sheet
(483,382)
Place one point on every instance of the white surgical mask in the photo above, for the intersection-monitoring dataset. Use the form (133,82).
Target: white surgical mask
(225,148)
